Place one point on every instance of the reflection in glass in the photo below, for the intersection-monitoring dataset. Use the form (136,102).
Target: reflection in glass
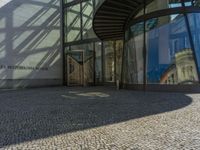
(191,2)
(109,65)
(119,51)
(196,3)
(170,57)
(194,22)
(88,64)
(68,1)
(162,4)
(72,23)
(98,62)
(87,16)
(134,62)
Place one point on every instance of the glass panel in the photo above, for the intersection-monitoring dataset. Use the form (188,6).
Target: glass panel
(66,61)
(170,58)
(87,20)
(109,64)
(134,62)
(162,4)
(196,3)
(98,2)
(88,62)
(188,2)
(98,62)
(68,1)
(75,68)
(119,53)
(72,23)
(194,21)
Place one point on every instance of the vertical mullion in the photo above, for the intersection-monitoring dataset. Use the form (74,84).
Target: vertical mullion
(93,4)
(81,19)
(191,40)
(122,66)
(144,50)
(94,63)
(63,40)
(94,46)
(115,62)
(103,61)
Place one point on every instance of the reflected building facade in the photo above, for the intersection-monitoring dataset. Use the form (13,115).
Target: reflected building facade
(163,48)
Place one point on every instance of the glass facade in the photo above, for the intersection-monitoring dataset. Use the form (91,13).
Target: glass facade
(134,63)
(163,49)
(161,46)
(194,23)
(109,63)
(88,60)
(169,55)
(72,23)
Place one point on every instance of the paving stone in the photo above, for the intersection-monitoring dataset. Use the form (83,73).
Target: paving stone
(100,118)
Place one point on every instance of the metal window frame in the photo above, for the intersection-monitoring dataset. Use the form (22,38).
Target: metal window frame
(159,13)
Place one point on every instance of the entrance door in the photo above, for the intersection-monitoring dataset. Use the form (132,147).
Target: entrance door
(75,75)
(80,68)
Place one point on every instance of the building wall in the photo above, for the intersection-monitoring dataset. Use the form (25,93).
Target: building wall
(30,43)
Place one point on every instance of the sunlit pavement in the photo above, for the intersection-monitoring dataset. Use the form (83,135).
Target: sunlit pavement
(98,118)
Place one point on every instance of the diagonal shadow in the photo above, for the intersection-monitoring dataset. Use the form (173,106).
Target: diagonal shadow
(36,35)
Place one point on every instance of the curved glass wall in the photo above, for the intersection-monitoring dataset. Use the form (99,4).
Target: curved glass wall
(134,55)
(169,55)
(164,49)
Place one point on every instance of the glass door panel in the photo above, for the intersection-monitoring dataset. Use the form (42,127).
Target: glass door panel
(88,67)
(75,68)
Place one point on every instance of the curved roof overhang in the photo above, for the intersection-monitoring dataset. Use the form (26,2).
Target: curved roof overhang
(111,17)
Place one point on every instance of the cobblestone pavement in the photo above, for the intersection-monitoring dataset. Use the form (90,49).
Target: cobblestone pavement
(98,118)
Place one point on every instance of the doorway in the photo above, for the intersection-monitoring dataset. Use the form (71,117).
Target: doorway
(75,68)
(80,68)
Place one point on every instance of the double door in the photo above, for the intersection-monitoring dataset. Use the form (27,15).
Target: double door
(80,68)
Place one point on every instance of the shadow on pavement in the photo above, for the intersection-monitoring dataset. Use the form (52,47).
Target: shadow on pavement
(33,114)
